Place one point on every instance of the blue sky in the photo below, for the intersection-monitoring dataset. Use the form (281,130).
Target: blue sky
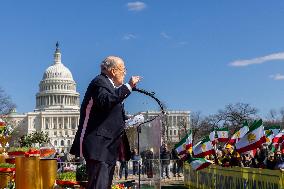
(196,55)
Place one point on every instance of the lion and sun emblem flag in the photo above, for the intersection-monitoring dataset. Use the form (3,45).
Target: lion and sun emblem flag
(239,134)
(222,134)
(253,139)
(184,145)
(203,148)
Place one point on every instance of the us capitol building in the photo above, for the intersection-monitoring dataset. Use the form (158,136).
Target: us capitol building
(57,106)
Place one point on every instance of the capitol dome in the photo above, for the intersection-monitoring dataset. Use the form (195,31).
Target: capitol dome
(57,89)
(57,71)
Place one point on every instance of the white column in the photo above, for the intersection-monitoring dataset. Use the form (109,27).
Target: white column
(51,123)
(63,122)
(68,123)
(42,123)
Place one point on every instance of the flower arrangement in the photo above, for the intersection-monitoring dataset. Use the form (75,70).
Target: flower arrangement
(69,168)
(5,135)
(7,167)
(66,179)
(5,130)
(118,186)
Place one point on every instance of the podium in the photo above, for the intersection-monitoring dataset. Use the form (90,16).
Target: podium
(149,143)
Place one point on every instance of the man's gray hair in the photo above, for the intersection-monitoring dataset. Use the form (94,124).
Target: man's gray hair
(109,63)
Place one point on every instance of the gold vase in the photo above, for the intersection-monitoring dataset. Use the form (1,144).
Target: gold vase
(27,173)
(47,172)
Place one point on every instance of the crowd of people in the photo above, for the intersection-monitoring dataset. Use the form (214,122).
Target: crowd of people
(263,157)
(170,164)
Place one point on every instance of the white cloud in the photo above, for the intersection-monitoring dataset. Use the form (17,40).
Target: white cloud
(129,36)
(277,76)
(136,6)
(165,35)
(258,60)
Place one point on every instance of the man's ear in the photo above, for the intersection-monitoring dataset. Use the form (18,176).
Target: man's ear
(112,72)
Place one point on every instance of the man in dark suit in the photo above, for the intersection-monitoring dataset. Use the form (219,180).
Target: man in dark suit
(101,138)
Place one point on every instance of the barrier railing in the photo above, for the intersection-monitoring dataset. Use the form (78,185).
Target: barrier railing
(216,177)
(175,171)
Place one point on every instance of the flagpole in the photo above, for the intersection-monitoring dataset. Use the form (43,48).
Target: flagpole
(215,142)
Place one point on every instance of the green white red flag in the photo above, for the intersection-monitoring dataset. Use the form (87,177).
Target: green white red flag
(253,139)
(198,163)
(222,134)
(239,134)
(271,132)
(185,144)
(278,138)
(269,136)
(274,128)
(203,148)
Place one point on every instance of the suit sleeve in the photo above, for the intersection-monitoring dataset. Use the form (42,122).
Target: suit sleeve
(106,100)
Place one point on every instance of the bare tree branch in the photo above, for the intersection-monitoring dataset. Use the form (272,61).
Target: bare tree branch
(6,104)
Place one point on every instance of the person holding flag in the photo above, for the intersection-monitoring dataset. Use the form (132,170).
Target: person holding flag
(184,146)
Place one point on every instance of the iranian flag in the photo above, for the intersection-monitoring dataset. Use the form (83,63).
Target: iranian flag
(185,144)
(253,139)
(239,134)
(278,138)
(275,129)
(269,136)
(222,134)
(198,163)
(203,148)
